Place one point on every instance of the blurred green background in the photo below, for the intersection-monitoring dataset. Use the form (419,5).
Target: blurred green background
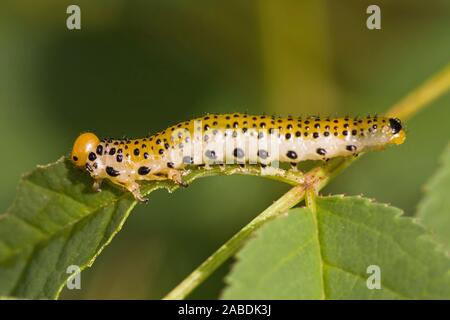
(139,66)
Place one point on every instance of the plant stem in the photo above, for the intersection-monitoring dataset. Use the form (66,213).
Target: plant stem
(430,90)
(313,181)
(288,200)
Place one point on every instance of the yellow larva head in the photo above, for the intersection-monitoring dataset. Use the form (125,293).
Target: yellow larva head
(85,144)
(398,133)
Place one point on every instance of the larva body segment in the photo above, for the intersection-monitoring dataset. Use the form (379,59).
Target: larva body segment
(230,139)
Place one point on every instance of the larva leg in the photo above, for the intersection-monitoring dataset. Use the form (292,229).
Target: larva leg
(133,187)
(97,184)
(177,177)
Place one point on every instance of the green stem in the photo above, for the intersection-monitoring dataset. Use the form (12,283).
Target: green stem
(313,181)
(288,200)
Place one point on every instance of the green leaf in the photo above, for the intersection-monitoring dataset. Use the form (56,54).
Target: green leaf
(434,209)
(56,221)
(327,255)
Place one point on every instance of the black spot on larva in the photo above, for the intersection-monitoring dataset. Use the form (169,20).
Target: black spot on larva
(315,135)
(215,123)
(336,121)
(244,130)
(288,136)
(234,134)
(346,125)
(112,151)
(119,158)
(350,148)
(298,134)
(143,170)
(112,172)
(188,160)
(158,141)
(291,154)
(305,134)
(170,165)
(211,154)
(345,132)
(166,145)
(99,150)
(136,142)
(161,151)
(206,137)
(75,158)
(145,155)
(206,127)
(263,154)
(260,135)
(321,151)
(144,146)
(136,152)
(271,130)
(228,118)
(306,122)
(235,124)
(95,165)
(326,133)
(88,167)
(354,132)
(92,156)
(317,126)
(262,124)
(395,125)
(206,118)
(238,153)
